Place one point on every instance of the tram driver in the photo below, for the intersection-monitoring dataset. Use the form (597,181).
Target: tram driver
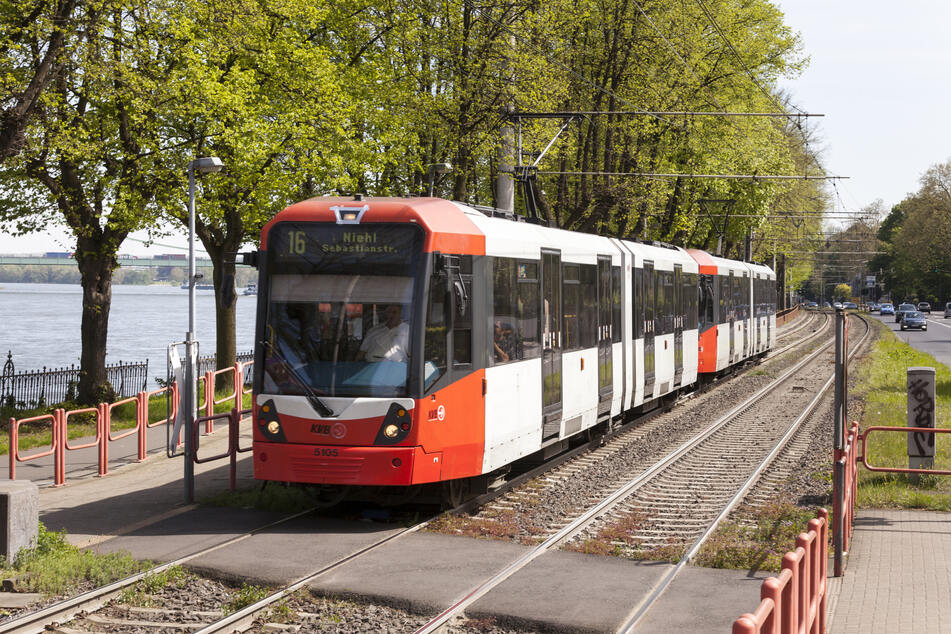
(388,340)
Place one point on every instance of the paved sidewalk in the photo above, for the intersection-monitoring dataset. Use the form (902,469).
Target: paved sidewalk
(898,577)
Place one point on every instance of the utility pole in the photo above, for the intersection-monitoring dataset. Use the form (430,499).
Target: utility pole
(504,182)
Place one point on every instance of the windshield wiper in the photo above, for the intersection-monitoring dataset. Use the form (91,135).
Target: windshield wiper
(319,406)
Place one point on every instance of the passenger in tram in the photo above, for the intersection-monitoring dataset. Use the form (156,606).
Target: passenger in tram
(503,342)
(387,341)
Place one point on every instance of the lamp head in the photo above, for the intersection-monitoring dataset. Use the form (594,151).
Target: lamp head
(206,165)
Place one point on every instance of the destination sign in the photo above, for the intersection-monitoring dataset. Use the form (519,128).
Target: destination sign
(324,245)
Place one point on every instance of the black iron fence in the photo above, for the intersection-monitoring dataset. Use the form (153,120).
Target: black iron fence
(207,364)
(37,388)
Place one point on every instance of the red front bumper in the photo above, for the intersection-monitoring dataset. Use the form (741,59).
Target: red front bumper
(330,464)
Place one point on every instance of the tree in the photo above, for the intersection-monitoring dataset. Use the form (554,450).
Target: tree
(33,39)
(842,292)
(283,93)
(88,161)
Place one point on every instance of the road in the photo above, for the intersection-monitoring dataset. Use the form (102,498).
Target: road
(936,341)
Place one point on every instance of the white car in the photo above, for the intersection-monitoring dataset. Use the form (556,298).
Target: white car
(947,310)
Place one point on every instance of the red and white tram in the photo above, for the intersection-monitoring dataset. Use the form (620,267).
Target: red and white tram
(415,341)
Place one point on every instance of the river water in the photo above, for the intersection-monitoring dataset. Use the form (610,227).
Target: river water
(40,324)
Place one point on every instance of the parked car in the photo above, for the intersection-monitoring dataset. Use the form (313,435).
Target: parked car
(812,306)
(851,305)
(888,309)
(947,310)
(836,304)
(826,305)
(872,307)
(924,307)
(914,319)
(902,309)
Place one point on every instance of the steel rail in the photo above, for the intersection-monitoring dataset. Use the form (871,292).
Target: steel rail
(244,618)
(775,353)
(609,502)
(35,622)
(641,609)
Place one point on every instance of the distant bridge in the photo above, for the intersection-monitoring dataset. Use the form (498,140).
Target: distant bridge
(124,261)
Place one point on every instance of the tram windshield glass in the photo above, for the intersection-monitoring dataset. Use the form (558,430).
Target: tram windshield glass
(339,316)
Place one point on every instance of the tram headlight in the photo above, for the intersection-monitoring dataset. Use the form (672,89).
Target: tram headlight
(273,427)
(391,431)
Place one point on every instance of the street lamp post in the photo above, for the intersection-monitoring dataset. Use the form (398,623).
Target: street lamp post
(205,165)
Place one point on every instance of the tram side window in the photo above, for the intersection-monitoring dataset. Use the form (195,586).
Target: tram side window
(670,303)
(588,308)
(526,307)
(462,324)
(435,346)
(502,325)
(707,299)
(616,304)
(571,304)
(514,321)
(637,309)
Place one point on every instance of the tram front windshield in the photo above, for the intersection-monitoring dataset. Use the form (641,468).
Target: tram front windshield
(339,316)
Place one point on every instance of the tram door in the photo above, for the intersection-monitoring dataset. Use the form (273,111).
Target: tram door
(551,344)
(757,313)
(747,315)
(650,287)
(678,323)
(605,335)
(731,315)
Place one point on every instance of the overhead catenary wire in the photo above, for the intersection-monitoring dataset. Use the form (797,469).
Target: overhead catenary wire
(753,177)
(671,113)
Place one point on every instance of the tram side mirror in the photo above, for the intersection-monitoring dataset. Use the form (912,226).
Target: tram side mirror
(460,298)
(250,258)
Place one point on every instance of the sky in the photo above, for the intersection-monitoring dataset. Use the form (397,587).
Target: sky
(879,71)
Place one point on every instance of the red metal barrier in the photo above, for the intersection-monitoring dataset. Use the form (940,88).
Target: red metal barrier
(795,601)
(60,443)
(234,447)
(59,420)
(920,430)
(237,392)
(55,450)
(845,475)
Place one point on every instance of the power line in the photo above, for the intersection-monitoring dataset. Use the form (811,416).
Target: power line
(670,113)
(749,73)
(565,67)
(724,176)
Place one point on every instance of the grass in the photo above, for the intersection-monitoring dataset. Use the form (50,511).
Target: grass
(245,596)
(142,593)
(759,545)
(39,434)
(54,567)
(881,385)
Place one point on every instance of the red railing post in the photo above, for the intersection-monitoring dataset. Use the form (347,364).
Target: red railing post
(104,415)
(238,386)
(792,562)
(59,454)
(209,401)
(142,422)
(14,440)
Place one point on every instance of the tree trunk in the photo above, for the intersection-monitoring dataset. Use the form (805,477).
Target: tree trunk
(96,271)
(225,302)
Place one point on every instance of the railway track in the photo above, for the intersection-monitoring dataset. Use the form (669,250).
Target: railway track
(682,497)
(206,621)
(85,608)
